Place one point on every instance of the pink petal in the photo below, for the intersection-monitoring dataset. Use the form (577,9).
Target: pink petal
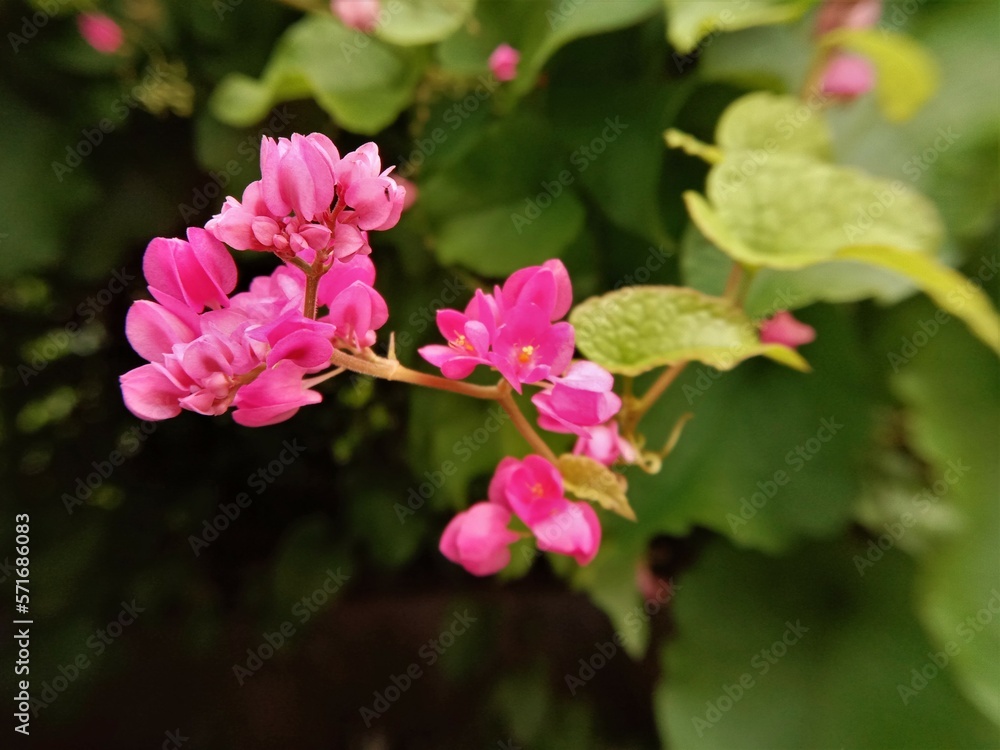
(152,330)
(150,393)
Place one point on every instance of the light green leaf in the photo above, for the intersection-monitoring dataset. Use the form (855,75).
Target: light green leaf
(907,77)
(772,123)
(412,22)
(633,330)
(363,87)
(588,480)
(500,239)
(690,22)
(790,211)
(949,289)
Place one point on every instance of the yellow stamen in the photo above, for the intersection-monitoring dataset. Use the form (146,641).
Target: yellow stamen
(525,355)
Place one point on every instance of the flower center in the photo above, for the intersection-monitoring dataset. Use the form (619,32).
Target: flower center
(462,343)
(525,355)
(537,490)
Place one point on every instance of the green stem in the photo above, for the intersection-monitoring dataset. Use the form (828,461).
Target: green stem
(650,397)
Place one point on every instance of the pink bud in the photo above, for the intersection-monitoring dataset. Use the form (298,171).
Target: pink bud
(199,272)
(850,14)
(297,175)
(150,392)
(152,330)
(479,540)
(503,62)
(573,530)
(581,399)
(357,14)
(847,76)
(100,32)
(547,286)
(786,330)
(603,444)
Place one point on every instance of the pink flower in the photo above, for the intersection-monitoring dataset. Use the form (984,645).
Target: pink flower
(357,14)
(605,445)
(847,76)
(376,199)
(412,192)
(581,399)
(297,175)
(529,348)
(503,62)
(478,539)
(100,32)
(469,335)
(786,330)
(276,395)
(850,14)
(533,489)
(547,286)
(199,272)
(355,308)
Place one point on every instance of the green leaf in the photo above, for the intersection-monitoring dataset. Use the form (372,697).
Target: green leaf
(907,77)
(790,211)
(633,330)
(949,289)
(951,387)
(498,240)
(772,123)
(588,480)
(813,657)
(690,22)
(363,87)
(413,22)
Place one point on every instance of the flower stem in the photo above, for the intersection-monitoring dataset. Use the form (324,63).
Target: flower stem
(390,369)
(650,397)
(522,424)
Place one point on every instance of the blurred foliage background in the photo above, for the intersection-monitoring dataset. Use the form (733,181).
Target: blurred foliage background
(875,564)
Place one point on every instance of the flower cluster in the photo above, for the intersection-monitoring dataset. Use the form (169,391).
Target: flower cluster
(208,351)
(261,351)
(479,538)
(518,331)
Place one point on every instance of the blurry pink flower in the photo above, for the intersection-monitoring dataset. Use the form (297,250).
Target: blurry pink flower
(412,191)
(851,14)
(786,330)
(357,14)
(478,539)
(503,62)
(573,530)
(605,445)
(847,76)
(580,399)
(100,32)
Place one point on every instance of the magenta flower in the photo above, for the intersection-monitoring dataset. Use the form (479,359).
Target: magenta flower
(357,14)
(503,62)
(199,272)
(529,348)
(478,539)
(784,329)
(376,199)
(297,175)
(847,76)
(605,445)
(100,32)
(533,490)
(274,396)
(547,286)
(580,399)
